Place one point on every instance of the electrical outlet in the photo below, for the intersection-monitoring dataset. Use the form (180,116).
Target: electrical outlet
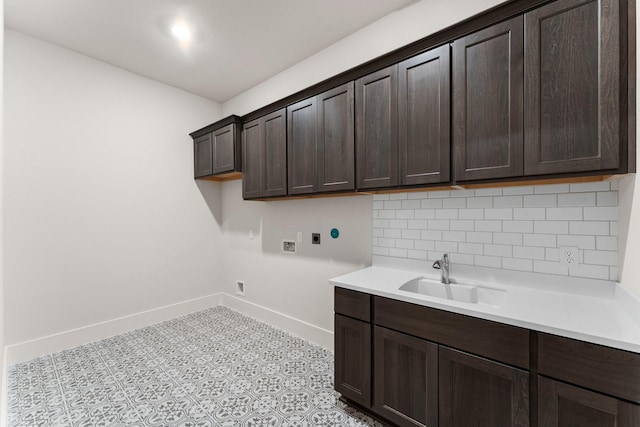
(289,247)
(569,256)
(315,238)
(239,287)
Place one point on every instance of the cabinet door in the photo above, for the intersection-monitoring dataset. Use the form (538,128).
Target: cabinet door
(353,359)
(336,139)
(572,78)
(252,159)
(481,393)
(202,155)
(223,144)
(406,379)
(376,129)
(302,146)
(564,405)
(487,102)
(275,153)
(424,118)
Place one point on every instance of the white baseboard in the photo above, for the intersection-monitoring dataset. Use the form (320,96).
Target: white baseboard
(31,349)
(315,334)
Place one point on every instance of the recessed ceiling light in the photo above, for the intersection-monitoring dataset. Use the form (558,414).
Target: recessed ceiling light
(181,31)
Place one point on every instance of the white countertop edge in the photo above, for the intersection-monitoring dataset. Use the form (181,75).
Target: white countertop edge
(621,297)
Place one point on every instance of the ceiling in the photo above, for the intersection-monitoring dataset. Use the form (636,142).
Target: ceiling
(236,45)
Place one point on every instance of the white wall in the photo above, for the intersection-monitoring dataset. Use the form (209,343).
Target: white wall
(102,218)
(389,33)
(2,361)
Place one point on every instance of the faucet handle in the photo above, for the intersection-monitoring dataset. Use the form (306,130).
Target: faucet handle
(437,265)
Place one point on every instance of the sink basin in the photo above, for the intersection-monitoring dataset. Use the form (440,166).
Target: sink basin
(461,292)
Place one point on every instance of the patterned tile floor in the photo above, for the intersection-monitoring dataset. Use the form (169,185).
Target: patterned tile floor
(212,368)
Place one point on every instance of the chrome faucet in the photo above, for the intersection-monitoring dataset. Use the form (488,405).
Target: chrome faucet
(443,264)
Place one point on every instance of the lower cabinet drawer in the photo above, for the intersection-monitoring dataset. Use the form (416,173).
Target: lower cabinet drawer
(608,370)
(504,343)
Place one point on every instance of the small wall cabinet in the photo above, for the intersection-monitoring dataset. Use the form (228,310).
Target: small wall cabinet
(217,150)
(264,147)
(436,368)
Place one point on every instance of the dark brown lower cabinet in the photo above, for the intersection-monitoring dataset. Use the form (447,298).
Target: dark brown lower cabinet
(406,378)
(481,393)
(353,359)
(564,405)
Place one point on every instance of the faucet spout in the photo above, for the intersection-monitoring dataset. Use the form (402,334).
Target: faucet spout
(443,266)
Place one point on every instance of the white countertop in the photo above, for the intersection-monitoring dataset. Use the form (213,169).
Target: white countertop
(609,318)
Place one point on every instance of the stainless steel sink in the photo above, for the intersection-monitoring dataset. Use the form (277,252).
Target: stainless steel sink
(461,292)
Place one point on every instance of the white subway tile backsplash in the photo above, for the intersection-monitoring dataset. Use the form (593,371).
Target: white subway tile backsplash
(488,261)
(529,214)
(454,236)
(607,243)
(447,214)
(541,201)
(480,202)
(517,264)
(592,228)
(393,204)
(454,203)
(607,198)
(411,234)
(431,203)
(577,199)
(462,225)
(502,214)
(551,227)
(542,240)
(416,254)
(446,247)
(398,253)
(581,242)
(519,190)
(488,225)
(564,214)
(507,239)
(425,245)
(589,186)
(497,191)
(518,228)
(479,237)
(551,189)
(392,233)
(507,202)
(528,252)
(471,213)
(471,248)
(499,250)
(431,234)
(601,213)
(425,214)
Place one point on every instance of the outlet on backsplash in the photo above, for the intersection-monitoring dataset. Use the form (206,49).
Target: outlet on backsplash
(569,256)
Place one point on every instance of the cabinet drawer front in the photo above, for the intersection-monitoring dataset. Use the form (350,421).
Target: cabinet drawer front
(504,343)
(597,367)
(353,304)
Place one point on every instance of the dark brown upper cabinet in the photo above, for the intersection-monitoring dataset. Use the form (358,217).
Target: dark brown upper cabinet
(376,129)
(217,149)
(424,117)
(572,73)
(320,142)
(488,103)
(264,147)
